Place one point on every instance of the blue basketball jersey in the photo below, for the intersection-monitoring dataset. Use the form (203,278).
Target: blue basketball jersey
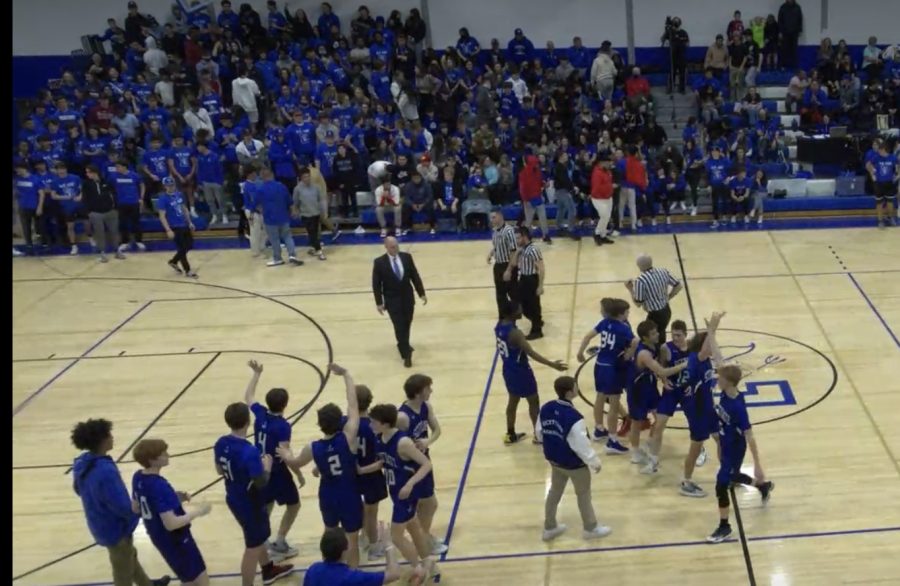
(269,430)
(734,420)
(677,356)
(397,470)
(155,496)
(513,357)
(642,379)
(240,462)
(615,338)
(418,422)
(337,468)
(701,379)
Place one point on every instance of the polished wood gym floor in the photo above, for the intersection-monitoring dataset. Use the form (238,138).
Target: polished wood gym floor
(813,315)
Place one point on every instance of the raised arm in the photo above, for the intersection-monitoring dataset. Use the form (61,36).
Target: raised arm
(249,394)
(351,428)
(645,360)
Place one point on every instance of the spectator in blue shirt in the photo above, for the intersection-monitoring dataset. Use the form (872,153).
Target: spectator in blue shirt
(107,505)
(580,57)
(275,200)
(211,180)
(467,45)
(328,19)
(520,49)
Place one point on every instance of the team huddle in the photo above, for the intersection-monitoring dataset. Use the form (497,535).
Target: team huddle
(689,370)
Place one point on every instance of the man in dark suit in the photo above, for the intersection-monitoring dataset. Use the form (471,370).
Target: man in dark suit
(393,277)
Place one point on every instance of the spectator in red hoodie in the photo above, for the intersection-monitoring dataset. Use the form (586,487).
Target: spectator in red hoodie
(531,187)
(601,198)
(637,89)
(635,186)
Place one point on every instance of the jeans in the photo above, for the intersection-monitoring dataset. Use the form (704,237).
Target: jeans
(279,233)
(541,209)
(565,209)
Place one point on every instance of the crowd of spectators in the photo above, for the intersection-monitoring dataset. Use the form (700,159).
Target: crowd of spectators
(211,97)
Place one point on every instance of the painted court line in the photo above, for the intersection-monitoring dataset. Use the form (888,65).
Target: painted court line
(875,310)
(18,408)
(594,550)
(465,473)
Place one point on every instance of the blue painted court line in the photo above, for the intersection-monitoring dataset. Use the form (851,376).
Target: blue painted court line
(18,408)
(874,309)
(534,554)
(465,473)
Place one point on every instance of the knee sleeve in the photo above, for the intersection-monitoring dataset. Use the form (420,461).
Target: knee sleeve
(722,495)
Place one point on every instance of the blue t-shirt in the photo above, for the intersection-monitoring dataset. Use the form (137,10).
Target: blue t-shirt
(173,205)
(275,200)
(339,574)
(325,155)
(127,186)
(269,430)
(240,462)
(181,159)
(157,162)
(156,496)
(742,187)
(209,168)
(885,167)
(68,187)
(27,191)
(717,170)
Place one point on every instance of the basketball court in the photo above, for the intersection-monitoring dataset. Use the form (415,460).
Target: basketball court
(813,318)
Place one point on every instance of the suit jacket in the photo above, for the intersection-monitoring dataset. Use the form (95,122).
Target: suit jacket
(388,289)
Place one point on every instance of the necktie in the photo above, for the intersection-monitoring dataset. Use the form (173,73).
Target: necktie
(395,261)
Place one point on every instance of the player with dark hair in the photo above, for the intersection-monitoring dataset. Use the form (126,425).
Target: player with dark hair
(246,474)
(270,431)
(736,436)
(417,418)
(166,521)
(643,390)
(334,571)
(370,478)
(405,468)
(111,517)
(699,407)
(335,459)
(514,350)
(617,346)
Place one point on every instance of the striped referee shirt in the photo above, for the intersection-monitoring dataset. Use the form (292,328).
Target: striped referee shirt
(528,259)
(504,241)
(651,289)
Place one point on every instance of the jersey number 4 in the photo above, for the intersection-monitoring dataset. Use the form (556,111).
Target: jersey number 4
(607,340)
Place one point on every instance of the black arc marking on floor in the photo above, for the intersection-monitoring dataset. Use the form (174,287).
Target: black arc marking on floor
(250,294)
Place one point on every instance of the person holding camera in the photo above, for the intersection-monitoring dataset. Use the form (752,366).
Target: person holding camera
(677,40)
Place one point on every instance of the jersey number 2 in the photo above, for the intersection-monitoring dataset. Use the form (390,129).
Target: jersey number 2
(334,465)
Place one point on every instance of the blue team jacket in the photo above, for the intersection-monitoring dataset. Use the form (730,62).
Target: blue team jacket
(104,497)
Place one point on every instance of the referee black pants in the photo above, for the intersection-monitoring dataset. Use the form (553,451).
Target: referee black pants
(661,318)
(505,290)
(531,301)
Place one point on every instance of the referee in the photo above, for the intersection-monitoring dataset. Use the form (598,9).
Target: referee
(530,264)
(652,290)
(503,247)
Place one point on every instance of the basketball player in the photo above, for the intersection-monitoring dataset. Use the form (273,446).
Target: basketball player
(515,350)
(405,468)
(699,407)
(246,474)
(643,392)
(673,352)
(735,436)
(165,520)
(271,430)
(370,478)
(335,458)
(617,346)
(334,571)
(416,417)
